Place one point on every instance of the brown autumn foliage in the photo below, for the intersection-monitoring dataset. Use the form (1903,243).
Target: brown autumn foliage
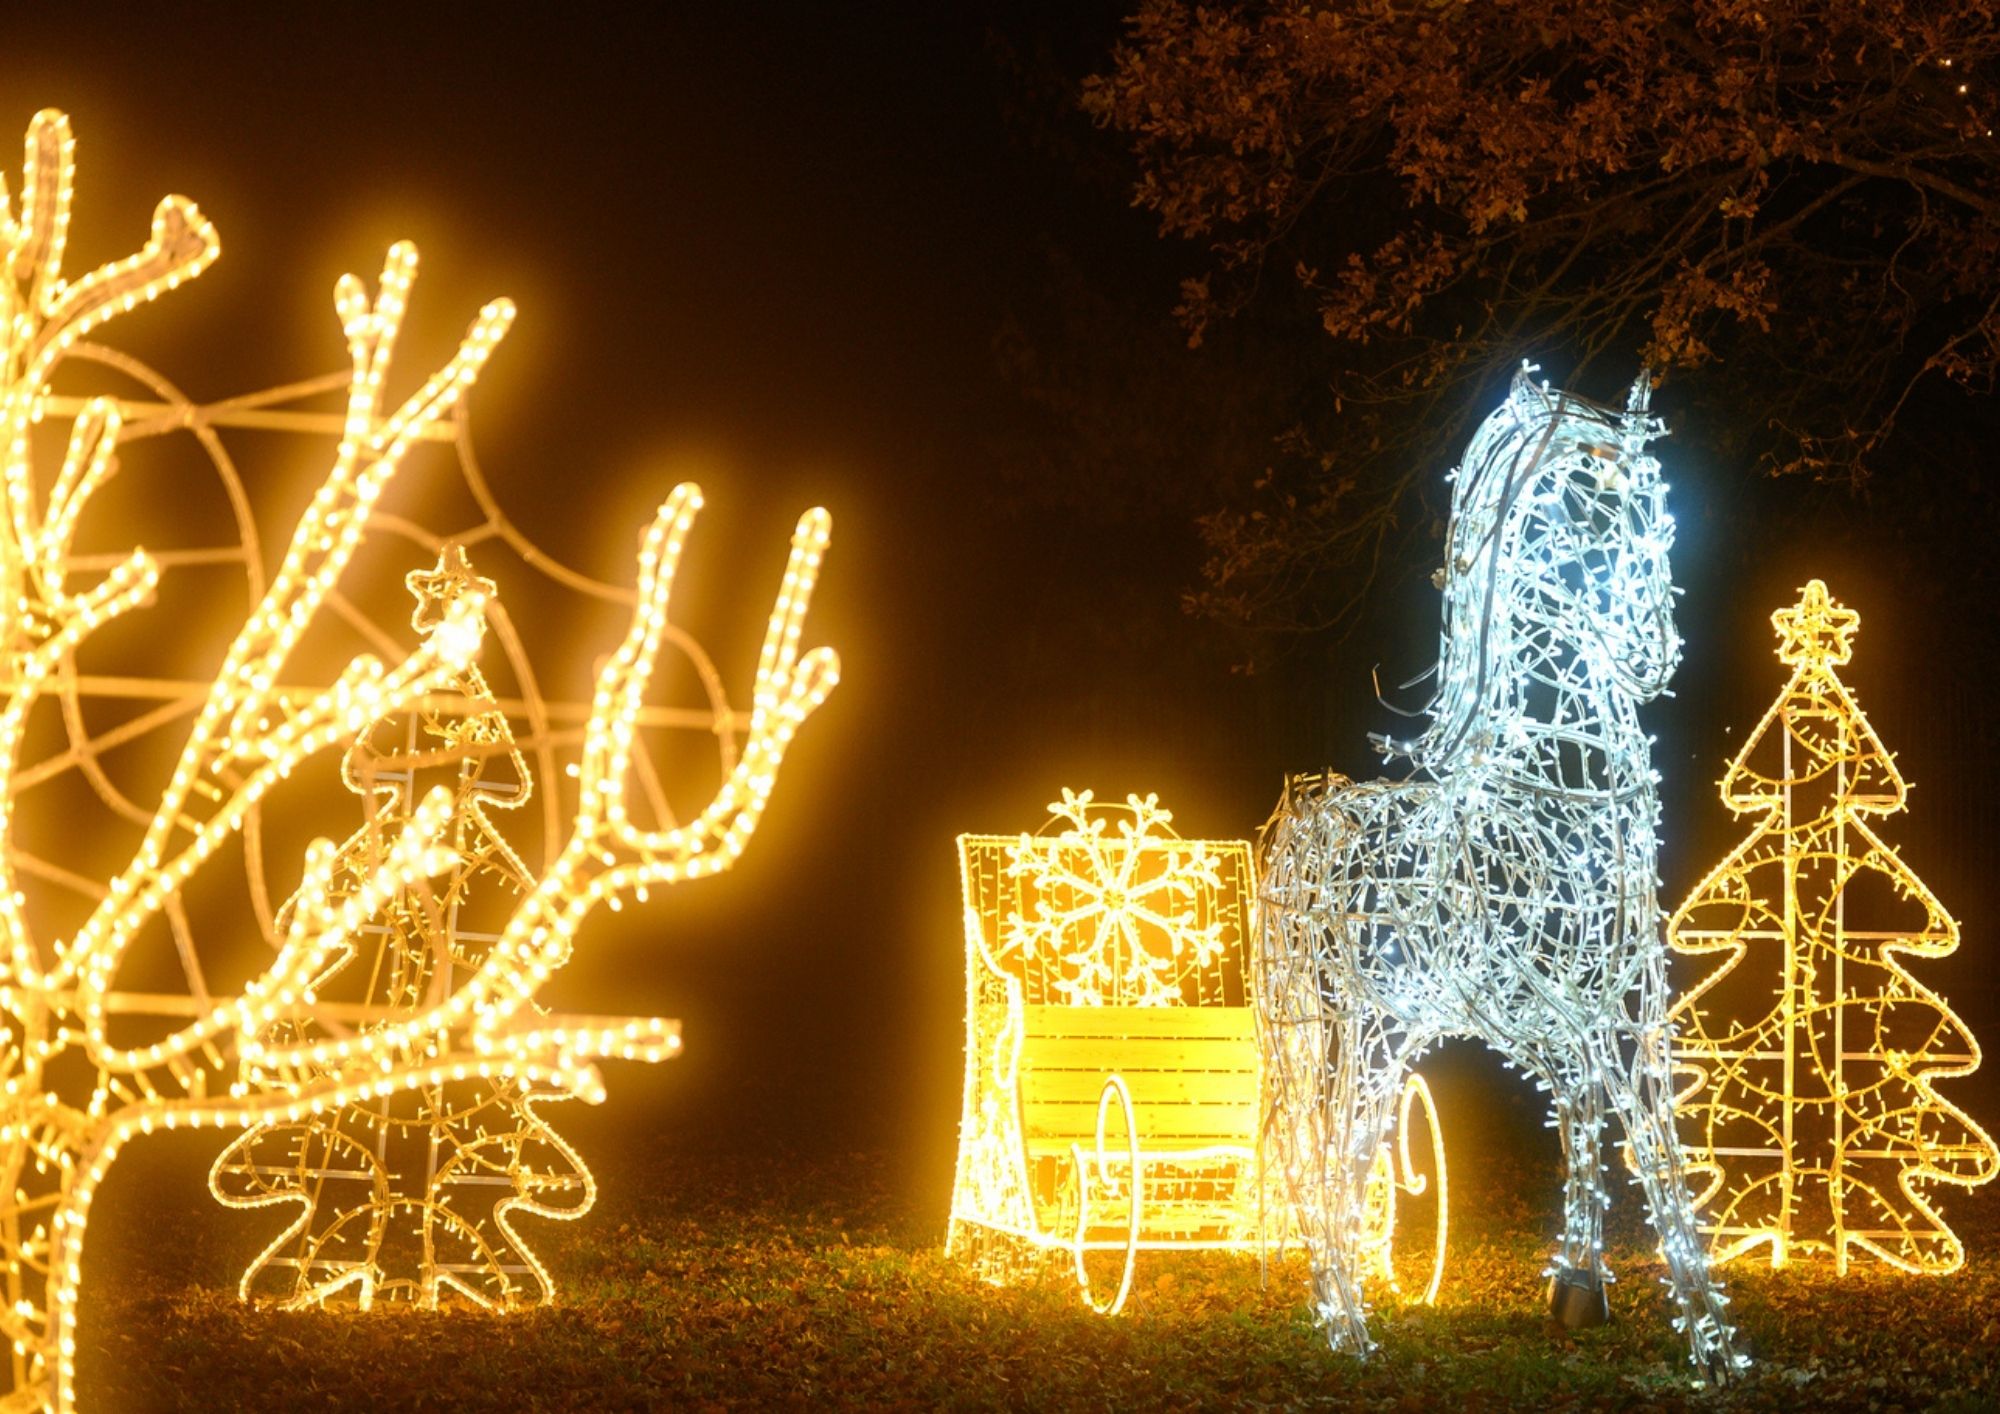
(810,1278)
(1788,209)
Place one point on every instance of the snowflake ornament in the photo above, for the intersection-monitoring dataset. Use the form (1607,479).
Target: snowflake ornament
(1116,912)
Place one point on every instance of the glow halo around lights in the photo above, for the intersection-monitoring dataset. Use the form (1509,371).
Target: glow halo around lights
(274,1054)
(1507,889)
(1813,1114)
(1108,963)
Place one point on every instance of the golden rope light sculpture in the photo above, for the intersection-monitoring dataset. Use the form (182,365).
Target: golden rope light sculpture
(78,1084)
(408,1198)
(1113,1086)
(1813,1114)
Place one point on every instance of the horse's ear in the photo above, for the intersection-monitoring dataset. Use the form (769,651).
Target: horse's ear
(1640,425)
(1524,387)
(1640,399)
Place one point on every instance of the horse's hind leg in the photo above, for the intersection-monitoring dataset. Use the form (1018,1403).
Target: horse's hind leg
(1576,1280)
(1298,1038)
(1364,1079)
(1644,1101)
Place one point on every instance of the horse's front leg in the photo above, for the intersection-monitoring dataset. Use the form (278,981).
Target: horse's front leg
(1576,1280)
(1643,1097)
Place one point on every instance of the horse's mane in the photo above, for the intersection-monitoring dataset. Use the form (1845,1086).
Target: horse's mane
(1534,434)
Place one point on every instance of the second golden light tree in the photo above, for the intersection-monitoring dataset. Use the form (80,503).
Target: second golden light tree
(1811,1110)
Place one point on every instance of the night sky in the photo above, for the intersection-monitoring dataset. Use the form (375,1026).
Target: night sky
(776,250)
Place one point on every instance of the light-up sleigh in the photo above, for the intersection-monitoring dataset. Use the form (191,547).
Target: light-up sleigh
(1114,1096)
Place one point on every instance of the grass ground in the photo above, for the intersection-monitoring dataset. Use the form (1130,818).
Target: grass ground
(803,1278)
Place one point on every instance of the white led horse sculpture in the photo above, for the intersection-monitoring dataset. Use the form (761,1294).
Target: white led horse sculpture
(1507,890)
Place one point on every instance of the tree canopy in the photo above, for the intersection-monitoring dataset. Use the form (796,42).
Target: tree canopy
(1789,210)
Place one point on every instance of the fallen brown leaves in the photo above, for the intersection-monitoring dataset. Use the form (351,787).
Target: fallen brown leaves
(786,1280)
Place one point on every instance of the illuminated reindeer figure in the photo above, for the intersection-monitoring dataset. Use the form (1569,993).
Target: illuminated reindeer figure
(1507,890)
(73,1095)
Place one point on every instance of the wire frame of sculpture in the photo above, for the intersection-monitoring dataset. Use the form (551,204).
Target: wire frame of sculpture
(413,1197)
(1113,1090)
(1810,1108)
(176,767)
(1507,889)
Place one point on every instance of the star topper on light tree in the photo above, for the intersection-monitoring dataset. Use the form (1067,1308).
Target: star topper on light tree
(88,1063)
(1809,1057)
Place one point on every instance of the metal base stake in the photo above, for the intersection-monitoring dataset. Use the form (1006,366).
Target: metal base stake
(1577,1300)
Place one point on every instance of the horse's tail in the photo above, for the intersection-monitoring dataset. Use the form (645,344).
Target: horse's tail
(1292,860)
(1302,794)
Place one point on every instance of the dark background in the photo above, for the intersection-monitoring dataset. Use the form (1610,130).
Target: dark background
(793,252)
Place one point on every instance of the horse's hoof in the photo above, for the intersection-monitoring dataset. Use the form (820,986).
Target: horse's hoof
(1576,1299)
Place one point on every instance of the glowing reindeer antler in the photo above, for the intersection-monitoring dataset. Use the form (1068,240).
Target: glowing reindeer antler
(55,1146)
(243,741)
(240,726)
(41,619)
(246,1059)
(607,855)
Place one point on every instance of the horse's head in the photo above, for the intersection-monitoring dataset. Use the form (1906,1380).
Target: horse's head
(1556,575)
(1609,535)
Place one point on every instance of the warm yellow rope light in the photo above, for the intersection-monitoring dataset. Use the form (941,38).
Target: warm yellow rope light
(1813,1116)
(1114,1097)
(1404,1174)
(410,1199)
(274,1055)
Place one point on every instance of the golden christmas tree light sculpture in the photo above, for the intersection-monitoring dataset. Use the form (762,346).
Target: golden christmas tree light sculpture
(409,1198)
(78,1083)
(1813,1114)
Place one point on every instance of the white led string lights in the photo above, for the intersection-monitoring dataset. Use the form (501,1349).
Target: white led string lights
(1507,890)
(275,1054)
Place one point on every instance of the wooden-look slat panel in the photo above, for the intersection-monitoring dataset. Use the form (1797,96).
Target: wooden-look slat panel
(1193,1219)
(1179,1114)
(1142,1056)
(1160,1126)
(1192,1073)
(1140,1022)
(1149,1089)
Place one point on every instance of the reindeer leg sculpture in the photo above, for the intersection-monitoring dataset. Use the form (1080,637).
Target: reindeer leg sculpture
(1365,1081)
(1576,1283)
(1641,1094)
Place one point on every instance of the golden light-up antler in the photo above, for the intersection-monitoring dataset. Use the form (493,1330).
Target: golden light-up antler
(236,727)
(58,1146)
(278,1053)
(606,854)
